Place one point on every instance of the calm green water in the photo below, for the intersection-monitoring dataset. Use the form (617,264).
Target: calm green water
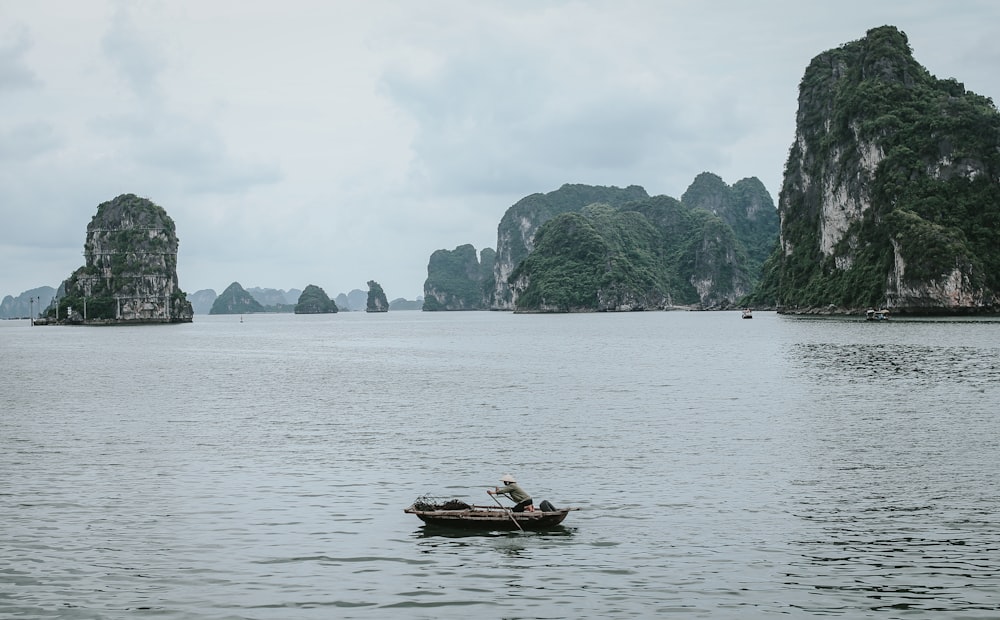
(725,468)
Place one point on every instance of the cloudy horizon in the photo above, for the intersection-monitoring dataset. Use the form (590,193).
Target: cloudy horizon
(332,143)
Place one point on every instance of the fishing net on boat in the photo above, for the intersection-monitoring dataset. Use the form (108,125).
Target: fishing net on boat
(427,502)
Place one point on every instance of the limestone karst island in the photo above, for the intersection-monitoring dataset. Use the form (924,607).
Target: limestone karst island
(130,275)
(890,199)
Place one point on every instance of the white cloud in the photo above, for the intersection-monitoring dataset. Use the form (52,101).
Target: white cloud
(15,73)
(27,141)
(133,54)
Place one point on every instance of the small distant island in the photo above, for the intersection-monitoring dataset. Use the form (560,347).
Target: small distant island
(312,300)
(376,298)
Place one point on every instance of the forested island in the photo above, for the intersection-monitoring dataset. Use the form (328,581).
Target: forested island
(892,188)
(890,199)
(585,248)
(130,274)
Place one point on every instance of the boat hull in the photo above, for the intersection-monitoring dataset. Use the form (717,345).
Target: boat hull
(488,518)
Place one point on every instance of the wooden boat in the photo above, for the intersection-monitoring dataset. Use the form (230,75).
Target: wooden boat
(457,514)
(876,315)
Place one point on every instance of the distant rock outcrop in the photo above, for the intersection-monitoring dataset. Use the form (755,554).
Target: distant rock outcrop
(516,232)
(29,304)
(130,275)
(377,301)
(201,301)
(634,252)
(236,300)
(314,300)
(276,299)
(458,280)
(891,194)
(401,303)
(355,301)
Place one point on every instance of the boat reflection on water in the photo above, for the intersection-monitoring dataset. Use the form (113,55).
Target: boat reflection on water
(427,530)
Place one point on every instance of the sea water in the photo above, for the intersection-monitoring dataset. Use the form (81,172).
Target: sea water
(724,468)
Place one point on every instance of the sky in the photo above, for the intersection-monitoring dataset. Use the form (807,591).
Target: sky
(330,142)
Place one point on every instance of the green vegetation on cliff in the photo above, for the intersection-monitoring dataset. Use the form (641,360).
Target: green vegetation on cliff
(517,228)
(920,156)
(377,301)
(649,253)
(458,280)
(314,300)
(567,267)
(236,300)
(746,207)
(570,198)
(130,273)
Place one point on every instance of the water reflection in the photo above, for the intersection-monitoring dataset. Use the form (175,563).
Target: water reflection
(440,531)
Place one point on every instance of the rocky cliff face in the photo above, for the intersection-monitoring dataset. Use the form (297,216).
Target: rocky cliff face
(131,267)
(459,280)
(516,232)
(202,300)
(642,253)
(891,193)
(649,254)
(236,300)
(314,300)
(377,301)
(746,207)
(29,304)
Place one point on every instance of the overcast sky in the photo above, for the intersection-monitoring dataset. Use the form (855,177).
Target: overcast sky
(333,142)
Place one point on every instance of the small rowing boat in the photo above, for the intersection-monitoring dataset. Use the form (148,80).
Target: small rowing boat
(458,514)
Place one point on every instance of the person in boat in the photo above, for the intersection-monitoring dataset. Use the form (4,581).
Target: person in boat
(517,495)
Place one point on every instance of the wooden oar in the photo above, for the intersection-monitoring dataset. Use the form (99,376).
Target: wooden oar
(509,512)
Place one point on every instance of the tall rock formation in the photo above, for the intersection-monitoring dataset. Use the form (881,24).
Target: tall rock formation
(745,206)
(627,251)
(29,304)
(459,280)
(314,300)
(600,259)
(891,192)
(236,300)
(649,254)
(516,232)
(130,275)
(377,301)
(202,300)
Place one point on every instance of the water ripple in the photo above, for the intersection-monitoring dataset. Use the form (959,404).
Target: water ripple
(724,470)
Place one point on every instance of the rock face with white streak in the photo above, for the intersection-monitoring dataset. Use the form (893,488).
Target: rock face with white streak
(130,275)
(517,228)
(891,195)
